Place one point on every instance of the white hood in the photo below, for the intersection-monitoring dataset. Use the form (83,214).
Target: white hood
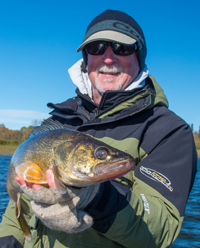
(82,81)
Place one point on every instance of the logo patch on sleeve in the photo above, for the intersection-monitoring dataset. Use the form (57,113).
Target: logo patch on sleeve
(156,176)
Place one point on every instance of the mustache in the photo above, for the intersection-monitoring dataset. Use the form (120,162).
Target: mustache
(114,69)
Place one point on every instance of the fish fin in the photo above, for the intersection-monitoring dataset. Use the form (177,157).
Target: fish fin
(47,125)
(24,206)
(59,185)
(21,219)
(18,205)
(31,172)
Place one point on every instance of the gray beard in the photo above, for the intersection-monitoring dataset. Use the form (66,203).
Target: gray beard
(108,69)
(100,88)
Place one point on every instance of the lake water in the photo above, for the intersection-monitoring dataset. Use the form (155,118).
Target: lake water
(190,232)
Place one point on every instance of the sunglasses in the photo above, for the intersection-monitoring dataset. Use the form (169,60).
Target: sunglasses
(99,48)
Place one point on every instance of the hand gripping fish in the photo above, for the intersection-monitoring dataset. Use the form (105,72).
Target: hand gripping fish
(76,159)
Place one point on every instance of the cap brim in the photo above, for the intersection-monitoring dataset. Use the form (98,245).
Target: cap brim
(108,35)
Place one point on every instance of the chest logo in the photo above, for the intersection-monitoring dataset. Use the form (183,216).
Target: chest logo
(156,176)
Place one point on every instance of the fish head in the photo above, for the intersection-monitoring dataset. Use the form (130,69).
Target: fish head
(89,161)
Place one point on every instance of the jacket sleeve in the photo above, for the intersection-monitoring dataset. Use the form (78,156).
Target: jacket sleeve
(151,213)
(10,233)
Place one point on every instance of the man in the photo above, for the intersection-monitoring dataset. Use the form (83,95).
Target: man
(119,103)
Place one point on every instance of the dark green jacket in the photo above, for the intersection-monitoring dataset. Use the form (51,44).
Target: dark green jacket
(145,208)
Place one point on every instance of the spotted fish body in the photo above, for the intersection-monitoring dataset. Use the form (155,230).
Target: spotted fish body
(76,159)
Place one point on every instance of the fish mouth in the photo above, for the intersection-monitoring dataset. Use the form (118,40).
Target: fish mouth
(101,173)
(113,170)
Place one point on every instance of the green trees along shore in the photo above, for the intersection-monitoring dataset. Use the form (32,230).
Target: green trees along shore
(11,139)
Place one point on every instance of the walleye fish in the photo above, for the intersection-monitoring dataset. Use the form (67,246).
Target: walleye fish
(76,159)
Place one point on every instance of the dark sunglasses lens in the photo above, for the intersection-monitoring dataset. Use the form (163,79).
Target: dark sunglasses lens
(123,50)
(99,48)
(96,48)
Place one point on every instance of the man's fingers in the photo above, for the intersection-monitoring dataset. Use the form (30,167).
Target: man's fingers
(34,186)
(50,179)
(20,181)
(29,185)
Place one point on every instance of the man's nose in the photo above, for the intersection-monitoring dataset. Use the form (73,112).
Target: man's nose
(109,57)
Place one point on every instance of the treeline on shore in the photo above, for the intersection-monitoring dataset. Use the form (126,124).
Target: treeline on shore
(11,139)
(14,137)
(196,136)
(197,142)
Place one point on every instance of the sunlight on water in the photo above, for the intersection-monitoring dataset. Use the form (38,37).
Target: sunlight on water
(190,232)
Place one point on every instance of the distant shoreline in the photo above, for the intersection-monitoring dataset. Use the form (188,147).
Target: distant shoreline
(7,150)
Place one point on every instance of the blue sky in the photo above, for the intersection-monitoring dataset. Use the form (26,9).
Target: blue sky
(38,42)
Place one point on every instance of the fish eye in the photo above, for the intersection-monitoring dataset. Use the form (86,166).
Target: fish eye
(101,153)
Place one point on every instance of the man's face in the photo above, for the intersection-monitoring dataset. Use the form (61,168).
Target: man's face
(111,72)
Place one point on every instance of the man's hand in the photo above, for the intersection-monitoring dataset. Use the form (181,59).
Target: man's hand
(34,186)
(61,212)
